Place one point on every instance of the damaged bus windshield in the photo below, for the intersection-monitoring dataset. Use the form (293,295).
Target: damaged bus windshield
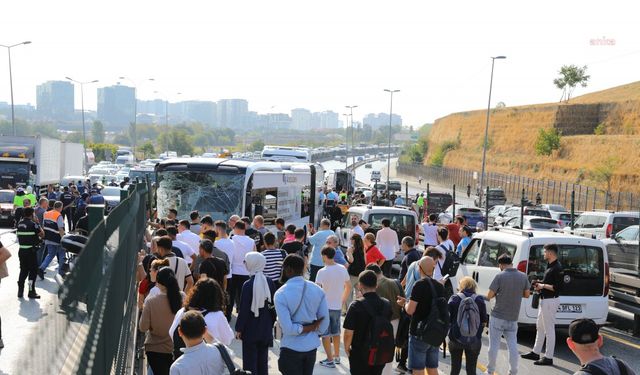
(210,192)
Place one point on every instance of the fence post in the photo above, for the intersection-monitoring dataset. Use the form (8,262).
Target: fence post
(453,214)
(522,210)
(553,196)
(573,208)
(580,197)
(406,192)
(595,195)
(486,212)
(566,187)
(618,203)
(96,214)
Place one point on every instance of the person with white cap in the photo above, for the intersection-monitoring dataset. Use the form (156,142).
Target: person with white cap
(254,324)
(29,194)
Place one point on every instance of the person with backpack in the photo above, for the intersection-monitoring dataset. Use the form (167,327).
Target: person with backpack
(585,342)
(200,358)
(449,258)
(255,321)
(468,316)
(429,319)
(368,333)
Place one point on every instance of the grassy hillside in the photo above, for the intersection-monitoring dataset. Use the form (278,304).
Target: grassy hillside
(613,145)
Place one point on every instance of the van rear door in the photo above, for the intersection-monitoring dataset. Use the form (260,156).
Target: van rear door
(583,282)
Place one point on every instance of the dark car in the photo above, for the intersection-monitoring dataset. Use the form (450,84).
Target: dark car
(622,250)
(395,186)
(496,197)
(438,202)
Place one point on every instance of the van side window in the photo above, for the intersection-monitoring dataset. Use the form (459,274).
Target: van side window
(491,250)
(471,253)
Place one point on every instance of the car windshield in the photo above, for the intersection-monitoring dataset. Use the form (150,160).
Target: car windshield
(587,221)
(111,191)
(6,196)
(210,193)
(404,225)
(470,212)
(564,217)
(543,224)
(622,222)
(537,212)
(556,208)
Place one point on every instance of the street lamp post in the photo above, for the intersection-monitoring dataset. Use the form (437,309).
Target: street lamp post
(389,150)
(134,136)
(346,141)
(353,154)
(13,116)
(84,129)
(486,132)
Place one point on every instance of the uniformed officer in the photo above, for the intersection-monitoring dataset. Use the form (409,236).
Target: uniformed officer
(29,234)
(67,211)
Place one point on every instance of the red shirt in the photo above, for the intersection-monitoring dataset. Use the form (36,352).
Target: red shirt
(454,233)
(373,255)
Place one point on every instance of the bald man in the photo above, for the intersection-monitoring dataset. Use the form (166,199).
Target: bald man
(422,355)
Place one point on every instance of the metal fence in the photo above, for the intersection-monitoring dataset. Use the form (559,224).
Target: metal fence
(91,326)
(551,191)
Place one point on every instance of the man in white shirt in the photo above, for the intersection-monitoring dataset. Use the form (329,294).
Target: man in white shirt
(177,264)
(188,253)
(224,243)
(389,245)
(187,236)
(358,226)
(334,280)
(444,245)
(430,231)
(242,245)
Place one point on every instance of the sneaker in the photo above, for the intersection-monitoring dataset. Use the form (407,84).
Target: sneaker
(531,355)
(327,363)
(33,295)
(336,360)
(41,274)
(544,361)
(402,369)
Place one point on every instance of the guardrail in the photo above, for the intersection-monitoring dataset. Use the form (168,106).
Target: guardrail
(91,326)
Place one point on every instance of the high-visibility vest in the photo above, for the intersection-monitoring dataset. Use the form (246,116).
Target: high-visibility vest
(50,225)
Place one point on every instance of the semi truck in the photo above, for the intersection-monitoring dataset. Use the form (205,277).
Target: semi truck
(37,161)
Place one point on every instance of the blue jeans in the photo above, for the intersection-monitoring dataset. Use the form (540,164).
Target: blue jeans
(421,354)
(54,250)
(508,329)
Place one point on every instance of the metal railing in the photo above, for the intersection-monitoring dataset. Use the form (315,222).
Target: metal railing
(91,326)
(551,191)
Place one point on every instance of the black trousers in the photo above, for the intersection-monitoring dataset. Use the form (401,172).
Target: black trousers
(160,362)
(358,366)
(471,353)
(234,293)
(67,214)
(255,357)
(292,362)
(28,267)
(313,272)
(386,268)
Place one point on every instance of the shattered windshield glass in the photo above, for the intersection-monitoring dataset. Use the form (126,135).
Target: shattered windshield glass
(215,194)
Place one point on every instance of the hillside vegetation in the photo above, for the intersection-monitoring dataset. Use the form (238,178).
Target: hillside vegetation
(600,133)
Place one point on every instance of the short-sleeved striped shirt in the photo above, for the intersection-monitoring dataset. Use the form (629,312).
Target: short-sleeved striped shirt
(273,268)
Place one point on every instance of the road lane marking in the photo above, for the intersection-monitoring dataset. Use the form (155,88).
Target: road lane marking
(622,341)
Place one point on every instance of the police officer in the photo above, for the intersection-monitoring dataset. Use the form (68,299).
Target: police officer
(67,200)
(29,234)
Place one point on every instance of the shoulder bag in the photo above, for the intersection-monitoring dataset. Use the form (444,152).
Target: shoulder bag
(277,330)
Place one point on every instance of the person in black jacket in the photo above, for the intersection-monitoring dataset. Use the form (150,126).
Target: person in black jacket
(29,234)
(356,264)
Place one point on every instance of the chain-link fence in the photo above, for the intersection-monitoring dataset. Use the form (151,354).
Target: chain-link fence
(91,326)
(551,191)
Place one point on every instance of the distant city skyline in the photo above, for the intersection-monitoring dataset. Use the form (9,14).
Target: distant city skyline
(288,54)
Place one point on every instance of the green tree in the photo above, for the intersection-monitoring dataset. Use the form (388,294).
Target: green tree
(97,132)
(547,141)
(257,145)
(74,137)
(605,171)
(570,77)
(103,151)
(177,140)
(147,149)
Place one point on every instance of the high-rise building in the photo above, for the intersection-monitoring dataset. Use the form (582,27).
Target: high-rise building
(301,119)
(54,100)
(116,105)
(381,119)
(232,113)
(199,111)
(326,120)
(279,121)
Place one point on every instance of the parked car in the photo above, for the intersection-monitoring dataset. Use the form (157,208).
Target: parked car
(368,165)
(472,214)
(585,262)
(496,197)
(604,224)
(6,206)
(533,223)
(514,211)
(496,211)
(554,208)
(395,186)
(111,197)
(438,202)
(563,218)
(622,249)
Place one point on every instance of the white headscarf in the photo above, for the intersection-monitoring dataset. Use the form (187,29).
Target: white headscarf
(255,263)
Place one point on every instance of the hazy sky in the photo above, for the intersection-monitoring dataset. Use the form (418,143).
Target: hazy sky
(322,55)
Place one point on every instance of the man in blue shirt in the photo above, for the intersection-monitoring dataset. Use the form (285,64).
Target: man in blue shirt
(318,240)
(334,242)
(399,201)
(303,315)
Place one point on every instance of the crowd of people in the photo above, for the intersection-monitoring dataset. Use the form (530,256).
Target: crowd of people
(298,286)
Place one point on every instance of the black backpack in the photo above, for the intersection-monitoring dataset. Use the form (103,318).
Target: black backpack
(178,343)
(591,369)
(451,262)
(380,343)
(434,329)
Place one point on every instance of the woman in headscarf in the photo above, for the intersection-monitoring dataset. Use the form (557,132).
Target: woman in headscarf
(255,323)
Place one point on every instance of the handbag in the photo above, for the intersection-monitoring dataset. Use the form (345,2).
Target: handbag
(226,358)
(535,300)
(277,329)
(4,255)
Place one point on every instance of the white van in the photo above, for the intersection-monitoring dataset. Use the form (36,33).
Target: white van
(584,260)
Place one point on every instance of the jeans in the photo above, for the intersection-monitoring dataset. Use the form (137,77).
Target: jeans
(313,272)
(292,362)
(509,329)
(54,250)
(255,357)
(471,352)
(546,326)
(421,354)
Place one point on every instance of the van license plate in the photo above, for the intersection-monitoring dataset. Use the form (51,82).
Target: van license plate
(565,308)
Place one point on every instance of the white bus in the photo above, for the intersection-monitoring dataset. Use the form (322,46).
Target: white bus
(284,153)
(225,187)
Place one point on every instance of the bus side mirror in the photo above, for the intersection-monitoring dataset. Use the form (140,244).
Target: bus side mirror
(258,209)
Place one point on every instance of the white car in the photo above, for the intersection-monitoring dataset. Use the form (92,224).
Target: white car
(622,251)
(584,260)
(533,223)
(604,224)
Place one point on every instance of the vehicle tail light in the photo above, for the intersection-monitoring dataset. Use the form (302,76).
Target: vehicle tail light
(560,222)
(522,266)
(609,230)
(606,280)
